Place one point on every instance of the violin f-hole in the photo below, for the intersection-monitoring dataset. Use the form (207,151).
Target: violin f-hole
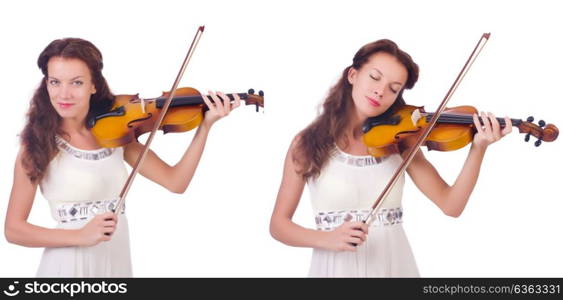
(130,124)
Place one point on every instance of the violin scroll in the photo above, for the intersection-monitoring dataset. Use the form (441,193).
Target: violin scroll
(252,99)
(541,131)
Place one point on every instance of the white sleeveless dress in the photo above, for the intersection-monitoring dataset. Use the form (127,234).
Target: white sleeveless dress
(78,185)
(346,189)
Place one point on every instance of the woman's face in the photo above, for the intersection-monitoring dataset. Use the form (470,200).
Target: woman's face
(376,85)
(70,86)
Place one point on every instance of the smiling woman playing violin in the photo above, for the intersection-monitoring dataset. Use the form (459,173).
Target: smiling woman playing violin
(79,178)
(344,179)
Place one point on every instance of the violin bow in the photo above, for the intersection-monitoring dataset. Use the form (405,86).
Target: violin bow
(143,154)
(422,137)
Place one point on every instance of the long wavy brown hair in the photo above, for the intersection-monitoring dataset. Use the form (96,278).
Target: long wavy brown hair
(43,121)
(317,141)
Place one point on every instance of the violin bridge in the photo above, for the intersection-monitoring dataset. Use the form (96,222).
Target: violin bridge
(142,104)
(415,116)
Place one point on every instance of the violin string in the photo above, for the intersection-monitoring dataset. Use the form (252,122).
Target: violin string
(465,119)
(187,100)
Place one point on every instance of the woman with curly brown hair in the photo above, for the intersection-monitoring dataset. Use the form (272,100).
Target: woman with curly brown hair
(80,179)
(330,157)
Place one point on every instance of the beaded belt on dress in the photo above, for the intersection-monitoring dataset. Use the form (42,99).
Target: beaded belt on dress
(71,212)
(328,221)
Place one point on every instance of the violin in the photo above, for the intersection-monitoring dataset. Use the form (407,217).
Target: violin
(454,130)
(132,116)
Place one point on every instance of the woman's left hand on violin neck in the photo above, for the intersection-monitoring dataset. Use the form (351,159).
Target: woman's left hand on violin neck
(219,106)
(490,131)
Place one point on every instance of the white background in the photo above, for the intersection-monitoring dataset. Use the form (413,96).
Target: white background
(294,51)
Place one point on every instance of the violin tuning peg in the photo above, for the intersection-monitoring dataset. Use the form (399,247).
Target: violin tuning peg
(527,137)
(537,143)
(251,91)
(257,107)
(530,119)
(261,93)
(541,123)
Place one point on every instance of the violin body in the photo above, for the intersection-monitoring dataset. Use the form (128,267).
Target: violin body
(455,129)
(132,116)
